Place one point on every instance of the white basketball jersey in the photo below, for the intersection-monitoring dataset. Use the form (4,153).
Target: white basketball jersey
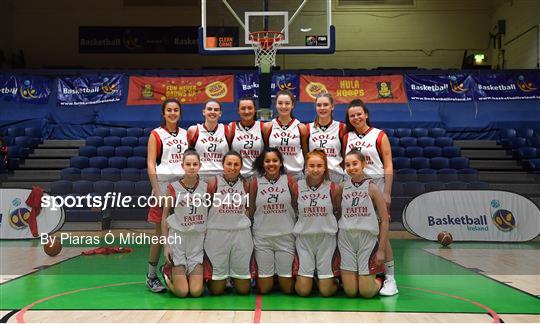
(370,143)
(274,213)
(228,210)
(249,143)
(211,146)
(170,151)
(357,211)
(286,138)
(329,139)
(315,209)
(189,213)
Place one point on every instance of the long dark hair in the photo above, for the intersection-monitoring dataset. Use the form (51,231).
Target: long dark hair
(258,164)
(164,104)
(355,103)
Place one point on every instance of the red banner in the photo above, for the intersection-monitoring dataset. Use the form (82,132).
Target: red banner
(189,90)
(371,89)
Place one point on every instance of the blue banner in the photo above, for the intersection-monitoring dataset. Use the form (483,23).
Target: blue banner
(89,90)
(28,89)
(511,86)
(248,84)
(458,87)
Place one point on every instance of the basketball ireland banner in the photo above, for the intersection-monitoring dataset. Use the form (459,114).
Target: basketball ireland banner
(16,215)
(458,87)
(371,89)
(247,84)
(187,90)
(25,88)
(89,90)
(507,86)
(473,215)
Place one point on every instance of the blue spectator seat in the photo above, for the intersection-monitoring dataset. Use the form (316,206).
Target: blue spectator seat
(101,131)
(394,141)
(120,132)
(61,187)
(91,174)
(405,175)
(143,188)
(83,187)
(125,187)
(140,151)
(437,132)
(112,141)
(70,174)
(79,162)
(420,163)
(110,174)
(88,151)
(525,132)
(451,151)
(143,140)
(130,141)
(403,132)
(130,174)
(444,141)
(414,151)
(419,132)
(408,141)
(96,141)
(102,187)
(136,162)
(432,151)
(401,163)
(106,151)
(134,132)
(439,163)
(389,132)
(118,162)
(426,141)
(99,162)
(426,175)
(447,175)
(398,151)
(125,151)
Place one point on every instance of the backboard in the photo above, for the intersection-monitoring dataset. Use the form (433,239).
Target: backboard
(227,24)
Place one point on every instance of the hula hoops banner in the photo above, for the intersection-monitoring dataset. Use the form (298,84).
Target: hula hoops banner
(473,215)
(15,214)
(371,89)
(28,89)
(188,90)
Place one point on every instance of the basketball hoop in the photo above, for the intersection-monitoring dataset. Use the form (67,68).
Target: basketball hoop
(266,43)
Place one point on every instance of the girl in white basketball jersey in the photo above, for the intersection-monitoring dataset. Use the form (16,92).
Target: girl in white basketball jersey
(363,230)
(316,227)
(228,244)
(272,206)
(287,134)
(210,139)
(375,148)
(326,133)
(183,271)
(166,146)
(246,135)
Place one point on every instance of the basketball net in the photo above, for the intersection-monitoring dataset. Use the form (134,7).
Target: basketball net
(265,44)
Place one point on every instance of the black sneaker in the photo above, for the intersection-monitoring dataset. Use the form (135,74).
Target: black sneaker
(155,285)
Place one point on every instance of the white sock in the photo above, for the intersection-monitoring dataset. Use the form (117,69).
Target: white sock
(389,268)
(152,269)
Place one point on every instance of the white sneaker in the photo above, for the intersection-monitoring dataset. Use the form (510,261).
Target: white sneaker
(389,287)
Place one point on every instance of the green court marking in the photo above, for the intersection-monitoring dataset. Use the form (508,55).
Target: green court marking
(415,268)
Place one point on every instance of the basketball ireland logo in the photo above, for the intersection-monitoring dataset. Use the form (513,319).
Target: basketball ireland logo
(18,215)
(503,219)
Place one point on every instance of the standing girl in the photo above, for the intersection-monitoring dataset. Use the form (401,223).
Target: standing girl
(246,135)
(287,134)
(326,133)
(316,227)
(272,205)
(363,232)
(210,139)
(166,146)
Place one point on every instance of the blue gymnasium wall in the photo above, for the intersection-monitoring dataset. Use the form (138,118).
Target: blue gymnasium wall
(471,120)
